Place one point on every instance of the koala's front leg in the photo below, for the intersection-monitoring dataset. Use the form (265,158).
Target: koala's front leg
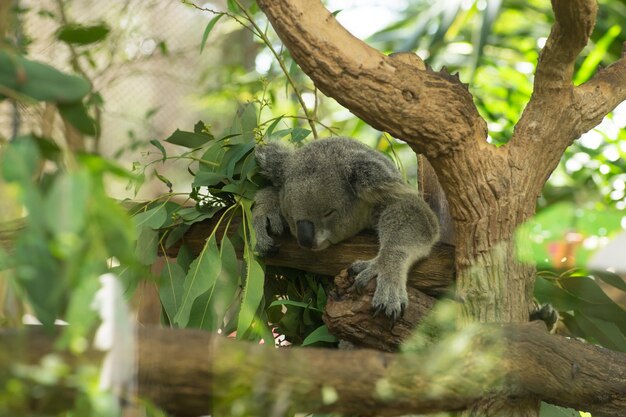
(266,219)
(407,230)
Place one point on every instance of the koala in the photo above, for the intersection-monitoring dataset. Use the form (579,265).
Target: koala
(331,189)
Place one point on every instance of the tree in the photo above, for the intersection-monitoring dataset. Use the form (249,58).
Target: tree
(491,191)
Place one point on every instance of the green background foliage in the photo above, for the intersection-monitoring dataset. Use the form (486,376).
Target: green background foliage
(72,230)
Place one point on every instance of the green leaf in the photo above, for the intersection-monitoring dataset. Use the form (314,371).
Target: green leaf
(227,281)
(234,155)
(99,166)
(20,160)
(77,34)
(605,333)
(271,127)
(549,410)
(160,147)
(210,308)
(208,30)
(252,292)
(205,178)
(175,234)
(153,218)
(184,257)
(40,81)
(79,311)
(147,245)
(116,227)
(76,114)
(171,288)
(298,134)
(611,279)
(244,124)
(188,139)
(321,334)
(280,134)
(39,276)
(65,205)
(232,6)
(548,291)
(295,304)
(203,273)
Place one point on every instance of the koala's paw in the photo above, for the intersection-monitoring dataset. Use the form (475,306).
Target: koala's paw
(363,272)
(548,314)
(270,223)
(266,246)
(274,223)
(390,296)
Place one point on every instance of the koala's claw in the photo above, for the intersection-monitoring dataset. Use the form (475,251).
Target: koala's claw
(274,224)
(377,310)
(266,249)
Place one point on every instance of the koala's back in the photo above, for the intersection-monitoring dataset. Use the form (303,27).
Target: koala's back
(332,154)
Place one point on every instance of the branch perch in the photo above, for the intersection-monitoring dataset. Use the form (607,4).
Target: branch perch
(209,370)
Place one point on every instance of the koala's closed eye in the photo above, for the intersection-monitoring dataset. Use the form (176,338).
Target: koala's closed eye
(330,213)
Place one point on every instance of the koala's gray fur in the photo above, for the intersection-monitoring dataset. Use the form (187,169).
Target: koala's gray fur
(330,190)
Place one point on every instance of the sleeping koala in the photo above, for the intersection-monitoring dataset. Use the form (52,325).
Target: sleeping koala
(330,190)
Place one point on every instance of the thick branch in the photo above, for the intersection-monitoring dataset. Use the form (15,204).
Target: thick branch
(550,121)
(433,111)
(210,372)
(433,275)
(600,95)
(574,22)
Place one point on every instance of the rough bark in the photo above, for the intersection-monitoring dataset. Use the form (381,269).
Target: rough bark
(192,372)
(490,191)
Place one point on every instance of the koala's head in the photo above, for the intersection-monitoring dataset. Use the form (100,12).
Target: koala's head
(320,188)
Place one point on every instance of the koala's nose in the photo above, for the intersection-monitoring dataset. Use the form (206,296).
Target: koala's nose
(306,233)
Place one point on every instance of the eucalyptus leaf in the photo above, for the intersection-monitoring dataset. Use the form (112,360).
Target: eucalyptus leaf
(147,245)
(252,292)
(293,303)
(298,134)
(321,334)
(171,288)
(20,160)
(175,234)
(76,114)
(65,205)
(153,218)
(40,81)
(611,279)
(160,147)
(605,333)
(200,278)
(272,126)
(188,139)
(549,410)
(208,29)
(77,34)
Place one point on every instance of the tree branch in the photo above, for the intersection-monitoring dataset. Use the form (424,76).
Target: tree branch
(574,22)
(210,372)
(549,123)
(433,275)
(385,91)
(601,94)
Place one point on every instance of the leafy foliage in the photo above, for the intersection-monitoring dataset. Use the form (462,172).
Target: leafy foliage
(215,291)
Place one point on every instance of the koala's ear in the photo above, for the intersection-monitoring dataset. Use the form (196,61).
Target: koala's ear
(369,176)
(271,159)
